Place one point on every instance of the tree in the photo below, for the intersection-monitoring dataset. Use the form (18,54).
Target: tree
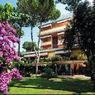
(7,35)
(29,7)
(20,33)
(54,59)
(10,14)
(29,46)
(6,11)
(19,20)
(48,12)
(71,5)
(82,33)
(39,11)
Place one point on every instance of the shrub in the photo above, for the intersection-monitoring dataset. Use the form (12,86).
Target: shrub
(24,68)
(48,73)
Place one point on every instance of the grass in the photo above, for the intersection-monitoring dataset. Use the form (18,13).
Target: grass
(37,85)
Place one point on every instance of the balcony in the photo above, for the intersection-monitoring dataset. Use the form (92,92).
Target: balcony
(53,30)
(46,43)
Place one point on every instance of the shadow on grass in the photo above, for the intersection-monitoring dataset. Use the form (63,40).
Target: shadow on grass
(74,85)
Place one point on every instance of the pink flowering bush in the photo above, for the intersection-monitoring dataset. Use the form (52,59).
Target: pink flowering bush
(5,79)
(8,37)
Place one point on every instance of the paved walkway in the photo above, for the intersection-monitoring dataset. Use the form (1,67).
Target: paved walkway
(77,76)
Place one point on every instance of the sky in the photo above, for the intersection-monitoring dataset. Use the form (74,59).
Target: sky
(27,31)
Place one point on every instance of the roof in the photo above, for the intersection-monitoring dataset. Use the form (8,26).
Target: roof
(58,20)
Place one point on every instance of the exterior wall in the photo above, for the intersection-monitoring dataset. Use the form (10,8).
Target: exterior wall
(54,25)
(51,53)
(51,38)
(78,54)
(53,41)
(46,42)
(52,35)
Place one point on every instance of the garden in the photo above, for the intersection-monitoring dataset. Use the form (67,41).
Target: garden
(60,85)
(20,75)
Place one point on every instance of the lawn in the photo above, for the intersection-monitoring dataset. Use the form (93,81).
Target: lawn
(37,85)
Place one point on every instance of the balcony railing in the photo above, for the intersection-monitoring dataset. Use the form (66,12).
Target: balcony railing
(53,30)
(46,43)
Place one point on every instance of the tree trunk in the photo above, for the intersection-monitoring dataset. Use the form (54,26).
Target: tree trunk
(31,33)
(19,47)
(56,69)
(19,42)
(92,69)
(91,61)
(38,53)
(37,65)
(35,50)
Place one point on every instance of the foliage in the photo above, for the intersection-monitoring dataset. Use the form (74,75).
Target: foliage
(24,67)
(28,8)
(46,12)
(81,33)
(38,11)
(71,4)
(6,11)
(29,46)
(6,77)
(45,59)
(7,39)
(10,14)
(77,55)
(19,19)
(48,73)
(56,58)
(20,33)
(17,64)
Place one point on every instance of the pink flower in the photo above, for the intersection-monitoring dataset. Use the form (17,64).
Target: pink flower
(17,58)
(1,53)
(3,32)
(5,79)
(7,47)
(8,60)
(7,38)
(0,42)
(13,31)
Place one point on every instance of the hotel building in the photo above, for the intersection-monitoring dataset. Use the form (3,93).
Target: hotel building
(51,43)
(51,39)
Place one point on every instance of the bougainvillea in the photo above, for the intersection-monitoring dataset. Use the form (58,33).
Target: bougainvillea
(5,79)
(7,39)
